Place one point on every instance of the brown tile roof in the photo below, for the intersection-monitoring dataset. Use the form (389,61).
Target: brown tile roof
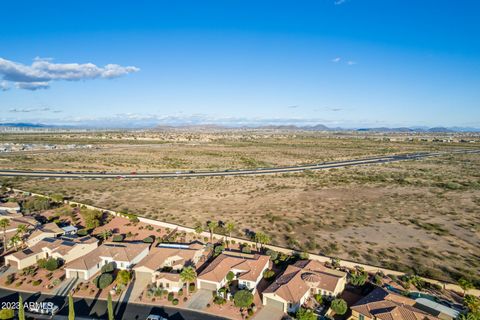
(174,277)
(124,251)
(384,305)
(61,246)
(219,268)
(298,278)
(157,256)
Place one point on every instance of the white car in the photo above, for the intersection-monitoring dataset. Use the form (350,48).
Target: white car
(155,317)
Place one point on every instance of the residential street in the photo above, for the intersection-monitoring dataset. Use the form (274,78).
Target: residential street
(97,309)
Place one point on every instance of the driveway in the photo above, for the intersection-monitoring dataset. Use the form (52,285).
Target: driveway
(269,313)
(200,299)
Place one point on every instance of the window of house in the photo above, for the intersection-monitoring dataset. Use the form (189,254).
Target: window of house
(361,317)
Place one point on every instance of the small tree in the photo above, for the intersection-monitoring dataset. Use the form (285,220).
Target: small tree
(14,241)
(198,229)
(71,308)
(243,299)
(262,238)
(339,306)
(104,280)
(110,307)
(123,277)
(465,285)
(188,275)
(305,314)
(105,234)
(21,311)
(230,276)
(472,303)
(21,231)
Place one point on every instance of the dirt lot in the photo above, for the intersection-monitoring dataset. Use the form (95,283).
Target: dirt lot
(420,216)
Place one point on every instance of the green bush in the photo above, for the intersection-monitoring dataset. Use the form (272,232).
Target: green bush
(104,280)
(243,298)
(118,238)
(175,301)
(123,277)
(305,314)
(82,232)
(51,264)
(339,306)
(268,274)
(219,300)
(148,240)
(180,292)
(191,287)
(37,282)
(6,314)
(170,296)
(109,267)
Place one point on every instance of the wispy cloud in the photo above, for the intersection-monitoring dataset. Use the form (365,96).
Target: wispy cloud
(339,2)
(4,86)
(336,60)
(293,107)
(29,110)
(42,71)
(351,63)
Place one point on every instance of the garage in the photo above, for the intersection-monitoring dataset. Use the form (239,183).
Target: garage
(275,304)
(12,263)
(76,274)
(207,285)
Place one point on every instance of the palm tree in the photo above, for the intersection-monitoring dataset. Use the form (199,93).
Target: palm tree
(21,231)
(198,229)
(15,240)
(212,225)
(21,310)
(229,227)
(261,238)
(110,307)
(71,308)
(4,223)
(105,234)
(188,275)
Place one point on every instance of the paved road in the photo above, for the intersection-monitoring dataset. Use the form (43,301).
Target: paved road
(97,309)
(258,171)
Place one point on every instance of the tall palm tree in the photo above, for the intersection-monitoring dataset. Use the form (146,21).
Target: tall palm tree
(4,223)
(15,240)
(110,307)
(21,310)
(229,227)
(212,225)
(21,231)
(188,275)
(71,308)
(261,238)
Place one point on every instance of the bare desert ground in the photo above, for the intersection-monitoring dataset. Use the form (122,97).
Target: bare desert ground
(417,216)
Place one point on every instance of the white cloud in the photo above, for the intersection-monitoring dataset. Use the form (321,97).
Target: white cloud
(28,110)
(351,63)
(4,86)
(339,2)
(337,59)
(42,71)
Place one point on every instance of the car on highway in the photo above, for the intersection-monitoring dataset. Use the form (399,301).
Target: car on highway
(155,317)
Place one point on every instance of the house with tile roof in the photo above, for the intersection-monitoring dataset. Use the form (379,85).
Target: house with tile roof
(62,249)
(247,269)
(9,207)
(301,281)
(381,304)
(164,262)
(48,230)
(123,254)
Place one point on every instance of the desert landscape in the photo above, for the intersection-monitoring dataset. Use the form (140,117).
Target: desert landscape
(418,216)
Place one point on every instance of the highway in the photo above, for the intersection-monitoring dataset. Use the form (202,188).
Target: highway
(236,172)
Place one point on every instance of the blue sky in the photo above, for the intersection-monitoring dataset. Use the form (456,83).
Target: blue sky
(349,63)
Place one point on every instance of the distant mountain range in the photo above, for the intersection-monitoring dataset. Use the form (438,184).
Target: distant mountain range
(318,127)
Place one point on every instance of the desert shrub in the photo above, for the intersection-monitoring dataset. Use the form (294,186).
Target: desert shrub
(318,297)
(148,240)
(268,274)
(104,280)
(305,314)
(123,277)
(170,296)
(50,264)
(175,301)
(6,314)
(10,279)
(82,232)
(109,267)
(37,282)
(180,292)
(219,300)
(118,238)
(246,249)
